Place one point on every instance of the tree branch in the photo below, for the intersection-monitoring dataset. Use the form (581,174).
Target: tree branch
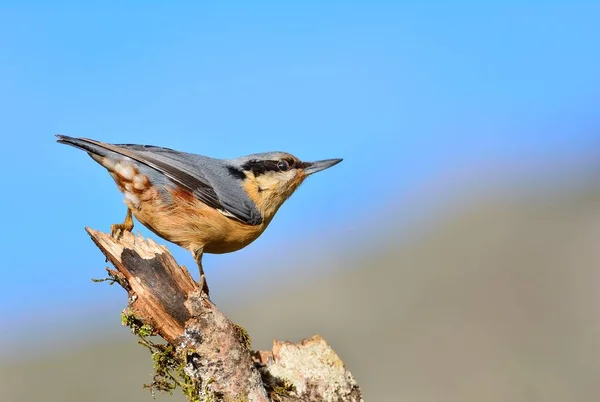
(206,354)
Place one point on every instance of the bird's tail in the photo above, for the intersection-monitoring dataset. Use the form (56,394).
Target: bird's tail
(82,143)
(99,151)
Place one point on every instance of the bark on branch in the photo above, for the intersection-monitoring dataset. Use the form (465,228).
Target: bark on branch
(206,354)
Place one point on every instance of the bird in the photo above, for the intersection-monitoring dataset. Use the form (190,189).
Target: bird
(203,204)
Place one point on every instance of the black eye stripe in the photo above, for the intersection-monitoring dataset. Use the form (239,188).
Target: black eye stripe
(237,173)
(261,167)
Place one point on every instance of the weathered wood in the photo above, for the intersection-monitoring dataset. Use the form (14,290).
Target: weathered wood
(212,351)
(311,369)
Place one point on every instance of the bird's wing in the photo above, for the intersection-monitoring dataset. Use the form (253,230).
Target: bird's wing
(202,181)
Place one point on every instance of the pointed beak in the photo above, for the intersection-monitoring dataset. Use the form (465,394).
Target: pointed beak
(314,167)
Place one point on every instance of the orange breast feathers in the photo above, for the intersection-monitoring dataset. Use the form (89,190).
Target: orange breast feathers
(180,217)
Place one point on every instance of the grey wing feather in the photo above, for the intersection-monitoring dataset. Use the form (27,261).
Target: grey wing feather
(207,178)
(204,177)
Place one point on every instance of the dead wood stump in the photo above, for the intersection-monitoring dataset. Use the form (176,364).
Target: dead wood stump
(206,354)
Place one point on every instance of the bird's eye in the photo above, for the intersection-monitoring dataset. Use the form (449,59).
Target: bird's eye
(283,165)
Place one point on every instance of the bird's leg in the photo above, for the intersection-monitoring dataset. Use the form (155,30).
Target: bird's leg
(117,229)
(198,257)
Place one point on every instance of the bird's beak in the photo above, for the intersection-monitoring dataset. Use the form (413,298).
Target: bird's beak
(314,167)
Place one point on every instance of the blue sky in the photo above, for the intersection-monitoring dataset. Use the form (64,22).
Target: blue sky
(404,93)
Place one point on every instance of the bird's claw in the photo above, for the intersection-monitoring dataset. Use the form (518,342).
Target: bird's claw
(198,258)
(117,229)
(204,285)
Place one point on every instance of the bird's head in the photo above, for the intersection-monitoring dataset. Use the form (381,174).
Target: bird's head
(271,178)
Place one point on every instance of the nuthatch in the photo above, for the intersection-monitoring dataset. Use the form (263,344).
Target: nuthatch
(203,204)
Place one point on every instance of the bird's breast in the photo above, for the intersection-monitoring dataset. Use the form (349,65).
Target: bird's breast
(178,216)
(188,222)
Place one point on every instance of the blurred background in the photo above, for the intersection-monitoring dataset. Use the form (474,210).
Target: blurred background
(453,256)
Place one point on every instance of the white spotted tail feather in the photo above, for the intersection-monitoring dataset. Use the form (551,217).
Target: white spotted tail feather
(133,184)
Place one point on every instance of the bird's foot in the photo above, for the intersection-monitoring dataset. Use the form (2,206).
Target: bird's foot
(203,284)
(117,229)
